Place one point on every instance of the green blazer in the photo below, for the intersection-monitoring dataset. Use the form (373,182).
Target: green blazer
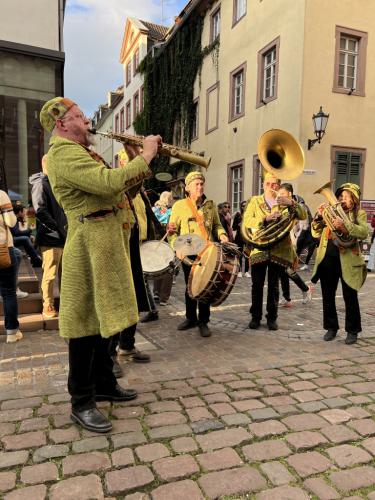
(353,265)
(282,253)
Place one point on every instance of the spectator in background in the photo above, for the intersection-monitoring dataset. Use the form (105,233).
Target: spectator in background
(50,234)
(22,236)
(8,275)
(162,210)
(226,218)
(371,257)
(239,241)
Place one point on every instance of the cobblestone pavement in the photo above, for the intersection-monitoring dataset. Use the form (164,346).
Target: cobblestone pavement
(243,414)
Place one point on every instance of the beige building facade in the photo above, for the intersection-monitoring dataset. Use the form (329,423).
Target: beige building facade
(278,62)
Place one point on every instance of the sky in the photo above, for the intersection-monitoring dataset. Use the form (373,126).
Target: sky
(93,33)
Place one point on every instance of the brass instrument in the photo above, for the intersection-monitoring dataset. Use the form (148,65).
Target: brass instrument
(165,149)
(331,212)
(281,155)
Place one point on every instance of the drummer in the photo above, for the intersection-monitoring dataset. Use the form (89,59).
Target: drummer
(195,215)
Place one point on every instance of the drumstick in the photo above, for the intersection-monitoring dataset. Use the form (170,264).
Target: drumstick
(160,242)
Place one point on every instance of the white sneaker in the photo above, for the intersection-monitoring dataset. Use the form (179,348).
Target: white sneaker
(306,296)
(15,337)
(163,303)
(247,274)
(304,268)
(21,294)
(239,275)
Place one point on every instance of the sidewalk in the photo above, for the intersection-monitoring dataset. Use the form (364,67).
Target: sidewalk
(242,414)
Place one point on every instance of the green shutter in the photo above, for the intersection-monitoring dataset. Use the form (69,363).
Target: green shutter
(347,167)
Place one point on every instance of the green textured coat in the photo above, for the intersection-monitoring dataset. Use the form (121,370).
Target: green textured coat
(283,252)
(97,290)
(353,266)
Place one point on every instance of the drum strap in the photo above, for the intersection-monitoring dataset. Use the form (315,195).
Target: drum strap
(198,217)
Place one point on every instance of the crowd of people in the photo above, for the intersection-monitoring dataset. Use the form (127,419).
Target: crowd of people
(109,216)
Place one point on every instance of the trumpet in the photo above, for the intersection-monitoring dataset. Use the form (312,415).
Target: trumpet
(165,149)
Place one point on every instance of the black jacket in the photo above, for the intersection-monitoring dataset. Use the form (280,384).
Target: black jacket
(51,223)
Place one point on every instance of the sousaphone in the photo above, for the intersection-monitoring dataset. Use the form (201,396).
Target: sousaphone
(281,155)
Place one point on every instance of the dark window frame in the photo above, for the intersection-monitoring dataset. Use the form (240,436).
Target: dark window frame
(273,45)
(232,115)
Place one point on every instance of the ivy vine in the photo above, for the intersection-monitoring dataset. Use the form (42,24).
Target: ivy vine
(169,77)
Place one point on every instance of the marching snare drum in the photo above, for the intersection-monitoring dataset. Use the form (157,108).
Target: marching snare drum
(157,258)
(214,273)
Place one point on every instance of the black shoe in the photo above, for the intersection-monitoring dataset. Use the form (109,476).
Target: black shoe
(135,355)
(254,324)
(204,330)
(117,370)
(351,338)
(92,420)
(187,324)
(272,325)
(150,316)
(119,394)
(330,335)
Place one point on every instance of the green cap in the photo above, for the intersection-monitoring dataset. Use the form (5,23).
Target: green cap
(54,110)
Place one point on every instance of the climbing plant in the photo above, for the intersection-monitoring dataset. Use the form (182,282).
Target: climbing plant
(169,77)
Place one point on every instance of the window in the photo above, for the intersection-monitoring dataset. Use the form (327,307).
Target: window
(257,176)
(347,165)
(237,92)
(135,62)
(128,114)
(122,124)
(136,104)
(235,191)
(142,98)
(350,61)
(239,10)
(117,123)
(268,69)
(128,73)
(212,108)
(215,25)
(194,129)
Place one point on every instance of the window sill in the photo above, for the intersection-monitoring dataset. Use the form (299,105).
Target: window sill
(341,90)
(235,22)
(236,117)
(260,104)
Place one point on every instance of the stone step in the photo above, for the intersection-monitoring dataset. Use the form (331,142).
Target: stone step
(33,323)
(29,285)
(31,304)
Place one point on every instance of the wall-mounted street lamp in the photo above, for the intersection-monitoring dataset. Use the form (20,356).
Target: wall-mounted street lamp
(320,123)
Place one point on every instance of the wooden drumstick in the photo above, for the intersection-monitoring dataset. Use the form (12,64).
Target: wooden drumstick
(160,242)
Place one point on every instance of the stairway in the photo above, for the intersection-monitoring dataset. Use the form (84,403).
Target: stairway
(30,309)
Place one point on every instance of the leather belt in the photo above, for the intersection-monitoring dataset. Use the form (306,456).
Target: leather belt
(99,214)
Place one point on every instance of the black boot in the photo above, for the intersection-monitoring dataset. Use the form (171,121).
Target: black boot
(351,338)
(117,394)
(330,335)
(187,324)
(254,324)
(204,330)
(272,325)
(150,316)
(92,420)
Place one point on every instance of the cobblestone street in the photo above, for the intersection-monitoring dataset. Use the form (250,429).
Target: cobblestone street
(243,414)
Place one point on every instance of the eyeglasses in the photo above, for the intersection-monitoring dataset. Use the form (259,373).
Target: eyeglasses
(226,206)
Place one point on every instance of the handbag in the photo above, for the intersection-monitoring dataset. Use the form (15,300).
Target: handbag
(5,260)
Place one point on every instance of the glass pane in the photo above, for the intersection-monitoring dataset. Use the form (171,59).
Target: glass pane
(350,83)
(343,41)
(352,45)
(350,71)
(352,59)
(342,57)
(341,81)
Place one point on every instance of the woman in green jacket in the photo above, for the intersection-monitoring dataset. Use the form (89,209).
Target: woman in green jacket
(334,262)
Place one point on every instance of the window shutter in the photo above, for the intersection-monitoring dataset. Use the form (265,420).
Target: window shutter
(348,167)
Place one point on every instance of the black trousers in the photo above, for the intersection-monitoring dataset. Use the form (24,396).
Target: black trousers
(330,273)
(305,240)
(258,275)
(191,305)
(126,340)
(90,371)
(290,274)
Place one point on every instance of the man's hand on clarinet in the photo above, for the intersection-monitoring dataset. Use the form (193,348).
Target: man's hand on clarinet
(132,151)
(151,144)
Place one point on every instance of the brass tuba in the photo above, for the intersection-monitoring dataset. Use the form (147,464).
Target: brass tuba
(332,211)
(282,155)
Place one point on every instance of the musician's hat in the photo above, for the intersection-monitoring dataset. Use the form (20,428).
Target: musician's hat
(192,176)
(54,110)
(352,188)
